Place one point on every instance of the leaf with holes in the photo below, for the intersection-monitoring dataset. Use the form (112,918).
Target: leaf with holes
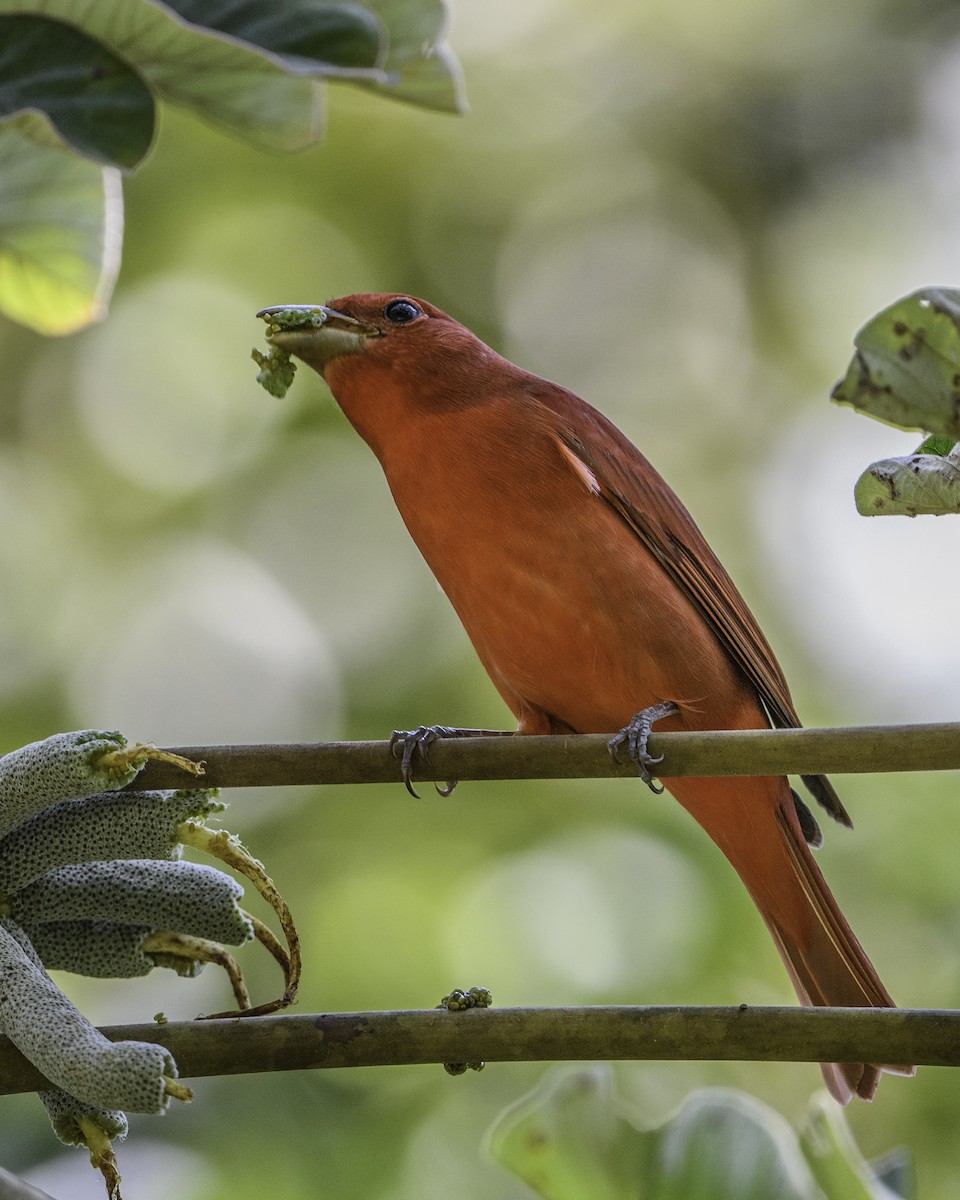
(916,485)
(906,370)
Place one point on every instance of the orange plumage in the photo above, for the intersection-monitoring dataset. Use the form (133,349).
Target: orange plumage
(589,594)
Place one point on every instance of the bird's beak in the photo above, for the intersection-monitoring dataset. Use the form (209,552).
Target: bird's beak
(316,333)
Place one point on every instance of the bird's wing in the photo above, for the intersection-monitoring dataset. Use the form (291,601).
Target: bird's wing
(652,512)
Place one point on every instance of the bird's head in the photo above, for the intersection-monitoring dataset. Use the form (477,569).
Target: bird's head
(388,359)
(383,329)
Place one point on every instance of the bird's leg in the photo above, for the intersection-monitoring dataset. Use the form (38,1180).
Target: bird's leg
(406,743)
(635,735)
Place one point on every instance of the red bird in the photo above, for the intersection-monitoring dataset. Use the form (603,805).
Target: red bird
(589,594)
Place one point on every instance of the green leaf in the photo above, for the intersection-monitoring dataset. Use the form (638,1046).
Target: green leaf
(85,73)
(245,88)
(907,367)
(725,1145)
(571,1139)
(935,444)
(61,221)
(837,1164)
(307,34)
(421,67)
(917,485)
(94,100)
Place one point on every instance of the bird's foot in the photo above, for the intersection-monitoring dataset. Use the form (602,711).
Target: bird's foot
(635,735)
(406,744)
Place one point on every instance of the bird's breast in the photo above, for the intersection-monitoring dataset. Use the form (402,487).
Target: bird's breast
(568,611)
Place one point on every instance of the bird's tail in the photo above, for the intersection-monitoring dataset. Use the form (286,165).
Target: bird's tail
(826,963)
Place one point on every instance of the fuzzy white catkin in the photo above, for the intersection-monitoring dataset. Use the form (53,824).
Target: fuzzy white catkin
(66,1111)
(100,949)
(49,1031)
(97,828)
(184,897)
(62,767)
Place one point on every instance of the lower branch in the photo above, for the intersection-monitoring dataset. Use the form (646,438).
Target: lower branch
(927,1037)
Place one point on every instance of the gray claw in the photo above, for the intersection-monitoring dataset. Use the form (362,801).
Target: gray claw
(635,735)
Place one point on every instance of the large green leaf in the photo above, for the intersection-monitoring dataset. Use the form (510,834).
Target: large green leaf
(250,91)
(61,220)
(420,65)
(907,367)
(573,1140)
(307,34)
(569,1139)
(725,1145)
(255,68)
(95,101)
(82,73)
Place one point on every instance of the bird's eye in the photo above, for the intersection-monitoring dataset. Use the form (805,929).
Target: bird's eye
(402,312)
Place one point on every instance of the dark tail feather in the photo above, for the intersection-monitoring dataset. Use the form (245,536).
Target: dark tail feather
(755,823)
(829,966)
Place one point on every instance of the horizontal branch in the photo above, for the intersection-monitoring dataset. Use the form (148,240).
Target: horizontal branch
(420,1036)
(726,752)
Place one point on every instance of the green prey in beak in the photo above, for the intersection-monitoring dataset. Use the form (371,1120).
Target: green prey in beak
(314,333)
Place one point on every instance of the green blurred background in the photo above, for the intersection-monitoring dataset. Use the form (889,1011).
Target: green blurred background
(682,211)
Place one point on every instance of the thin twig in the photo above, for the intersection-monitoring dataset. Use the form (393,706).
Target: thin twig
(751,752)
(368,1039)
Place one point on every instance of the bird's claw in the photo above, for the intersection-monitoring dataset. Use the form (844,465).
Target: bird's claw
(406,743)
(636,734)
